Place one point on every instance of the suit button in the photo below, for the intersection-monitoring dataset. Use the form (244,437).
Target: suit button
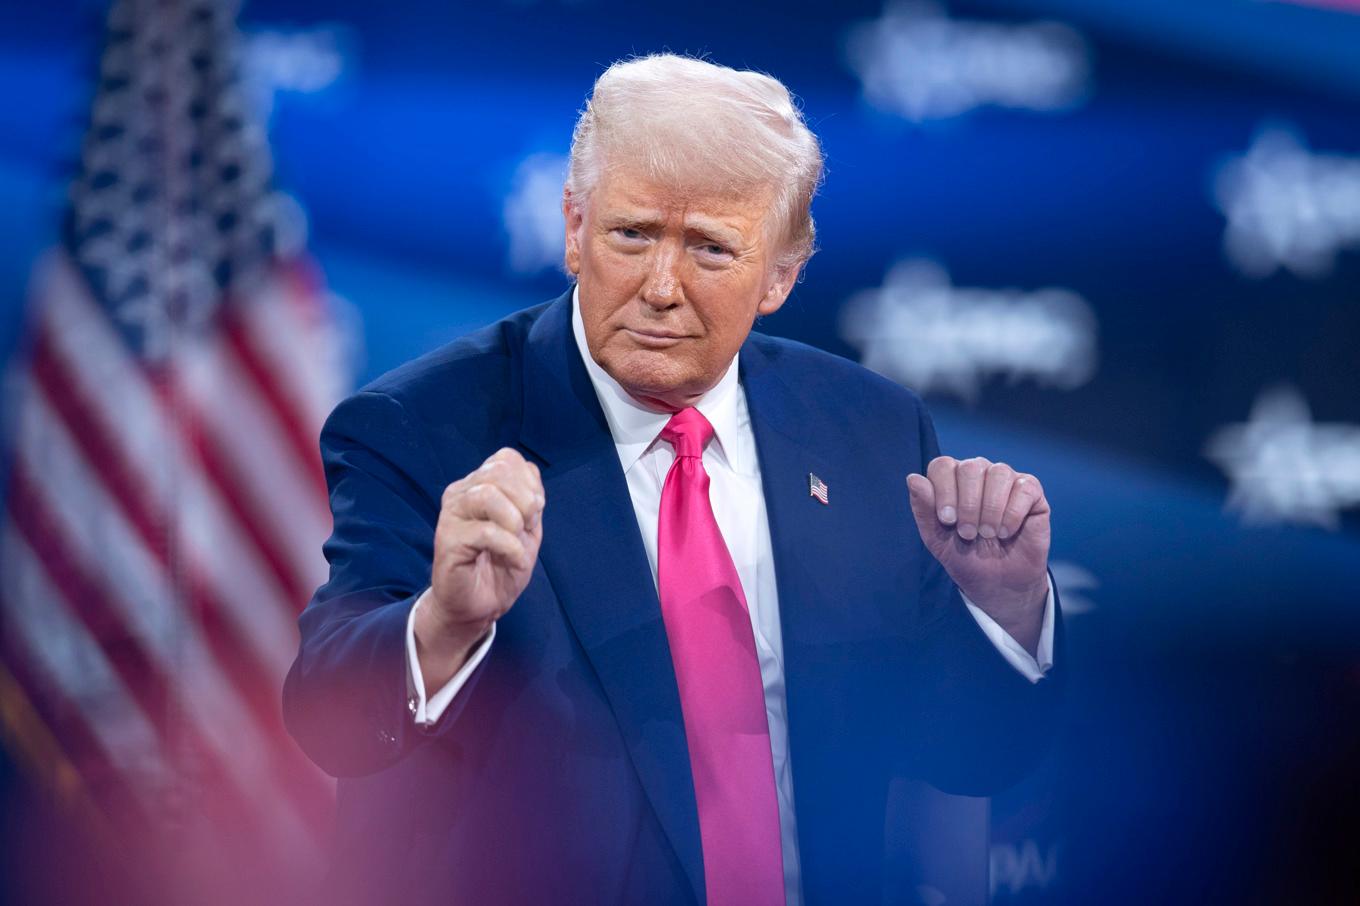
(387,737)
(411,705)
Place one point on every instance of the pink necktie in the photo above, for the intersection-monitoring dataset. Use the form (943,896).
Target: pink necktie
(718,673)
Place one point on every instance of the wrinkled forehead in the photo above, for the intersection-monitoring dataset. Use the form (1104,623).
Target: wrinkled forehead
(633,193)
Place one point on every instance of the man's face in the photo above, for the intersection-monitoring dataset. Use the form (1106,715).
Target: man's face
(670,282)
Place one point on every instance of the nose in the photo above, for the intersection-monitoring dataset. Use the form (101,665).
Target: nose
(661,289)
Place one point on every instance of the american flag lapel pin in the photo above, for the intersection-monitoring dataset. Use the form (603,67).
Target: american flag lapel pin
(817,488)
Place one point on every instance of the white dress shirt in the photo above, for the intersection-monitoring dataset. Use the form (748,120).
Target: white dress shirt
(739,508)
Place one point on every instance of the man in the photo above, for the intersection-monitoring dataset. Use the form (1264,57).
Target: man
(630,605)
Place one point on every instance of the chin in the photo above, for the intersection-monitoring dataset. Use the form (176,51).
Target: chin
(647,373)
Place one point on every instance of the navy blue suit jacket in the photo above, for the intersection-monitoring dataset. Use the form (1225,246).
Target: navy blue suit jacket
(560,773)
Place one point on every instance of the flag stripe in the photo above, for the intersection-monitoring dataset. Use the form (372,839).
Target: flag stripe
(312,791)
(121,804)
(306,310)
(125,824)
(293,334)
(234,493)
(232,780)
(93,523)
(271,390)
(256,455)
(103,380)
(90,603)
(68,677)
(132,570)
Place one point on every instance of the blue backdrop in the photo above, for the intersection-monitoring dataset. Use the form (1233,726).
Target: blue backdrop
(1132,232)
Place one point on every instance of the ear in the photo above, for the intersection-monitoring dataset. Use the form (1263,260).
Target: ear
(573,215)
(780,287)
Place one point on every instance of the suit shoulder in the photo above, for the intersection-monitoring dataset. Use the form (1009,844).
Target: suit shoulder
(463,397)
(826,374)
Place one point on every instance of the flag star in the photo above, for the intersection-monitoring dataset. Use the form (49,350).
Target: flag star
(148,316)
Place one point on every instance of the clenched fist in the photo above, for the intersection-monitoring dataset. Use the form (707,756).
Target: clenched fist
(485,546)
(988,525)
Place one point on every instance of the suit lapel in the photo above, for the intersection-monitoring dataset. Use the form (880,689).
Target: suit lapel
(593,555)
(805,560)
(783,444)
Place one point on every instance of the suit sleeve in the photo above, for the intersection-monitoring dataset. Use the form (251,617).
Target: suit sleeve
(345,699)
(984,724)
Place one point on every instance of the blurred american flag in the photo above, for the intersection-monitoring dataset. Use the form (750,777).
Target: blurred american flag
(165,505)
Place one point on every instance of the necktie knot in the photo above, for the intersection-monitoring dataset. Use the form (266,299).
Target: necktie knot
(688,432)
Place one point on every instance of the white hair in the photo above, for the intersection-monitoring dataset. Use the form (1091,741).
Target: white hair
(688,122)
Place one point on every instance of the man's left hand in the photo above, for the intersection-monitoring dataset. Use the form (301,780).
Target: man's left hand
(988,525)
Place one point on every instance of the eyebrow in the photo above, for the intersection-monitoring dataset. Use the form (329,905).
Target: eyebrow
(648,220)
(636,219)
(714,230)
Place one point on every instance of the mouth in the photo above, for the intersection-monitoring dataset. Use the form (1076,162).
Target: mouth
(654,338)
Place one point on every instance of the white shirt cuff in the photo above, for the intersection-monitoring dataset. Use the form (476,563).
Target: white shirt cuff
(427,710)
(1031,668)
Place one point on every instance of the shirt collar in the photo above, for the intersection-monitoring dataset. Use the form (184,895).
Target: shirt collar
(634,426)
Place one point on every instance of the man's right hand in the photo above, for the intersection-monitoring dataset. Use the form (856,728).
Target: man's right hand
(485,546)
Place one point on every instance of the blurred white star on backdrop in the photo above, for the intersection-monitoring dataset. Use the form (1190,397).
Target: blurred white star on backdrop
(925,333)
(1073,583)
(1288,207)
(918,63)
(533,215)
(1282,467)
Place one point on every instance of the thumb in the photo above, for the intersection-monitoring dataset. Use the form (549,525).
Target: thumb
(922,494)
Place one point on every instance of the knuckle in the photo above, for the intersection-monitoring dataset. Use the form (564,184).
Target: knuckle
(513,488)
(941,463)
(489,500)
(971,468)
